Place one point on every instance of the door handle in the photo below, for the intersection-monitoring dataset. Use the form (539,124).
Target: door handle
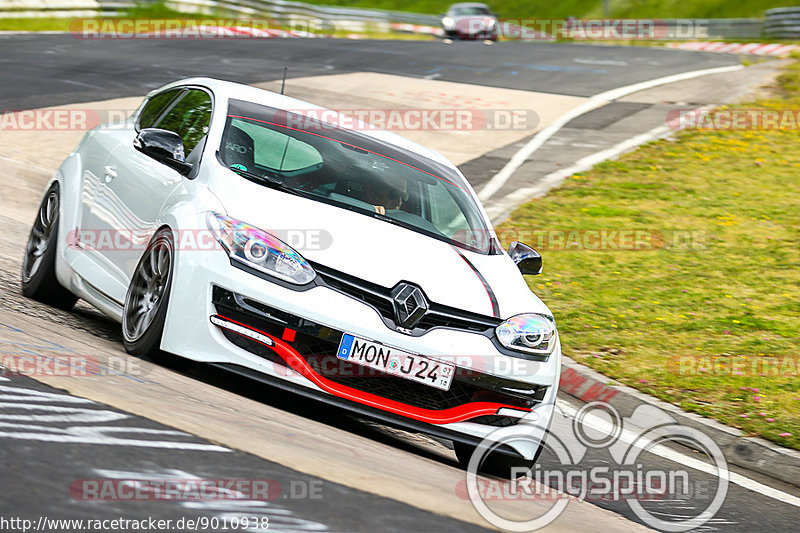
(110,173)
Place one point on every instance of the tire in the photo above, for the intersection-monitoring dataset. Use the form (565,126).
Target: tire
(39,262)
(147,299)
(495,464)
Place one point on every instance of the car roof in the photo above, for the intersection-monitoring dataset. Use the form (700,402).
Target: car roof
(469,4)
(238,91)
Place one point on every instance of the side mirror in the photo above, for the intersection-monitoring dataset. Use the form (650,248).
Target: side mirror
(163,146)
(528,260)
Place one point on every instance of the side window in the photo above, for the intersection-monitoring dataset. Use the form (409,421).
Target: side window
(277,151)
(189,118)
(445,212)
(155,107)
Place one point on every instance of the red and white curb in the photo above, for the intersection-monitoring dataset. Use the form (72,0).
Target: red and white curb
(758,49)
(258,33)
(414,28)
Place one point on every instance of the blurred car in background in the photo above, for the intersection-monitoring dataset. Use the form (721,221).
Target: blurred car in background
(470,20)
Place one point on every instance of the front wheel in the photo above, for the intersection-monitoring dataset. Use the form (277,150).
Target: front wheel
(39,263)
(145,309)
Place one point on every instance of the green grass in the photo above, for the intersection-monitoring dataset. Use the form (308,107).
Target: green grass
(144,11)
(159,11)
(35,24)
(731,294)
(587,8)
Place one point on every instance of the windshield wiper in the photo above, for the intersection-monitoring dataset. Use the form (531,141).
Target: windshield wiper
(267,181)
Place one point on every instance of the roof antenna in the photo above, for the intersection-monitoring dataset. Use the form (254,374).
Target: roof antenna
(283,83)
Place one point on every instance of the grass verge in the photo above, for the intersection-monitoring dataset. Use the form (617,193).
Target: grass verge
(144,11)
(159,11)
(707,316)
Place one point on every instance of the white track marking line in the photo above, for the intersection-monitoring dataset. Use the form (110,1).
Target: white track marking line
(499,179)
(500,207)
(630,437)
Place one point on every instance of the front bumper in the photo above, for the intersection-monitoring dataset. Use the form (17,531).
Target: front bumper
(299,333)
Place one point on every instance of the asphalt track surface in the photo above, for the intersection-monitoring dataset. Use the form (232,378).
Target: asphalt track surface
(51,70)
(37,473)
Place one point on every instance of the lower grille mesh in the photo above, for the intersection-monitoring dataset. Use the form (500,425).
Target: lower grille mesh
(318,345)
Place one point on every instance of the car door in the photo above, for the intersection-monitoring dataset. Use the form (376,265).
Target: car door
(140,185)
(98,206)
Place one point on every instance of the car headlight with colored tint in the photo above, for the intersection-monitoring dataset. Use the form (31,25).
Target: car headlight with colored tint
(529,333)
(260,250)
(448,22)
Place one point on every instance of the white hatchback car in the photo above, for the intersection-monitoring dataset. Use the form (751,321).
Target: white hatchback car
(221,224)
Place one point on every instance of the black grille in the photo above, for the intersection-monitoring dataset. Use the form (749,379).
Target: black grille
(318,345)
(369,293)
(433,319)
(495,420)
(409,392)
(254,347)
(380,298)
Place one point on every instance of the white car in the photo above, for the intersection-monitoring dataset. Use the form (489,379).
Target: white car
(470,20)
(221,224)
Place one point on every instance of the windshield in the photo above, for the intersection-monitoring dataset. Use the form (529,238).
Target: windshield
(467,11)
(353,171)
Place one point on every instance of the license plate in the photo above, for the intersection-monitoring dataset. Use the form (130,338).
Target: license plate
(396,362)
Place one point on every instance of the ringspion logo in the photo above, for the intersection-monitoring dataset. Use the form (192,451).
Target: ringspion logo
(566,476)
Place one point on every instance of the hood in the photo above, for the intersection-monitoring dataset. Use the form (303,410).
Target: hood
(380,252)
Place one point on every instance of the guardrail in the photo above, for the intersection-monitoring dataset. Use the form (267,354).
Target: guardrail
(284,12)
(294,14)
(279,8)
(783,23)
(738,28)
(62,8)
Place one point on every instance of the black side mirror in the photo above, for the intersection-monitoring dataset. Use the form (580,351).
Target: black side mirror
(528,260)
(163,146)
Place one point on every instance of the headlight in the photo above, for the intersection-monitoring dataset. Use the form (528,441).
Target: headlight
(492,24)
(259,250)
(448,22)
(529,333)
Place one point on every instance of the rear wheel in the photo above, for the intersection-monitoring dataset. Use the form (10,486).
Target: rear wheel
(39,263)
(145,309)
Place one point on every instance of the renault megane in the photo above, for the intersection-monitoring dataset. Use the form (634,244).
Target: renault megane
(221,224)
